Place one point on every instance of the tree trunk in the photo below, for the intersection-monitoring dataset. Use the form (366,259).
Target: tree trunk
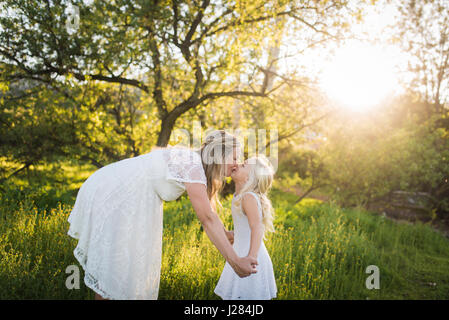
(167,125)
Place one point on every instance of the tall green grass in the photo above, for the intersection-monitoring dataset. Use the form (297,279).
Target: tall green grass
(319,251)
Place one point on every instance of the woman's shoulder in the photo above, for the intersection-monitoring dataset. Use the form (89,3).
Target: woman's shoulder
(184,165)
(182,154)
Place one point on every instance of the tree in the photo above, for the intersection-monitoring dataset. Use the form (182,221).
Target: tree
(370,156)
(423,32)
(180,54)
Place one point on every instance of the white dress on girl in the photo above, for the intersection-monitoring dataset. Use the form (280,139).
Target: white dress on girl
(257,286)
(117,219)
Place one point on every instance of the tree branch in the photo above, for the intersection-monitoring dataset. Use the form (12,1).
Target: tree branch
(195,23)
(290,134)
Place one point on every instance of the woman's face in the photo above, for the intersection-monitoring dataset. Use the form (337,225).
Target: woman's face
(231,164)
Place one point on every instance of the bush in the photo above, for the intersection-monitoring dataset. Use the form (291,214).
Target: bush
(368,161)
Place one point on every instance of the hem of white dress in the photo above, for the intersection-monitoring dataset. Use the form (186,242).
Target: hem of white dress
(223,296)
(219,294)
(101,294)
(73,234)
(79,257)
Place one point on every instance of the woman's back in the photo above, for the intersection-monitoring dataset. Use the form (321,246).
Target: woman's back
(117,218)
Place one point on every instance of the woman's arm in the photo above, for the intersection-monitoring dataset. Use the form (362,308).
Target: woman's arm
(251,209)
(215,230)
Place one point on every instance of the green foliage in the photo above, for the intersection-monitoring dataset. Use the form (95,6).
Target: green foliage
(178,58)
(44,186)
(303,170)
(36,127)
(368,156)
(422,31)
(133,72)
(34,251)
(319,251)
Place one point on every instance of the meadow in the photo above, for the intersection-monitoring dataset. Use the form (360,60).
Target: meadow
(351,98)
(319,251)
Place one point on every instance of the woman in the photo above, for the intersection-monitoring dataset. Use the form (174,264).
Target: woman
(117,216)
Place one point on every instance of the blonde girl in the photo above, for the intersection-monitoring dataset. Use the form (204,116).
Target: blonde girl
(252,215)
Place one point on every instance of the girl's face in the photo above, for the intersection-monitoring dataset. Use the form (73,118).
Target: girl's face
(240,173)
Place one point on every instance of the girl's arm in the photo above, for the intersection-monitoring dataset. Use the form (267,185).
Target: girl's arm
(214,229)
(251,209)
(229,235)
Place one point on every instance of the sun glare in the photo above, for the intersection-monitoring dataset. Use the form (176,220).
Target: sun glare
(359,76)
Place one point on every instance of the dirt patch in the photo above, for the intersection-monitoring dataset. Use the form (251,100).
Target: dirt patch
(407,216)
(402,207)
(410,207)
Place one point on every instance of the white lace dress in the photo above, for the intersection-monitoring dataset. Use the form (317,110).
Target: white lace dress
(117,219)
(258,286)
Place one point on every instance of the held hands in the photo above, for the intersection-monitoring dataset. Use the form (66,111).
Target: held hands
(245,266)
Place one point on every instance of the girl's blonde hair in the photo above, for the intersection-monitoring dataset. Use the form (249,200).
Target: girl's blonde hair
(215,151)
(260,179)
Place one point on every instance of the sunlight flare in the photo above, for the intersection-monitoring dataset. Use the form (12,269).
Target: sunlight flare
(359,76)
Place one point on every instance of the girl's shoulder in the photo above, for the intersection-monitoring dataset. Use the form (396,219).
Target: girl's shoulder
(246,198)
(240,195)
(255,195)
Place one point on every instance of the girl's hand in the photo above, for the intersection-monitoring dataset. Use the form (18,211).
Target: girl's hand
(253,256)
(230,236)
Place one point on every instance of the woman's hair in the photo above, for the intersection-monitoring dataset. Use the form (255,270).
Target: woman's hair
(215,152)
(260,179)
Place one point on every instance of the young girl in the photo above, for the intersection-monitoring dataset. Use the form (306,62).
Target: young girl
(252,216)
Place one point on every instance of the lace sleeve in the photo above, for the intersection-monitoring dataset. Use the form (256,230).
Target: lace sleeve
(185,165)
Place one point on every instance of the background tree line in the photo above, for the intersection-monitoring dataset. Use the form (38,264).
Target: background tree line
(136,70)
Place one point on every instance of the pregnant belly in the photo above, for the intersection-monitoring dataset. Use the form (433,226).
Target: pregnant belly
(168,190)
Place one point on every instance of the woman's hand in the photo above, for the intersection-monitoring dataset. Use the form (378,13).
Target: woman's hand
(215,230)
(244,266)
(230,236)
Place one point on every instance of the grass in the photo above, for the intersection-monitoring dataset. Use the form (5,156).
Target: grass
(319,252)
